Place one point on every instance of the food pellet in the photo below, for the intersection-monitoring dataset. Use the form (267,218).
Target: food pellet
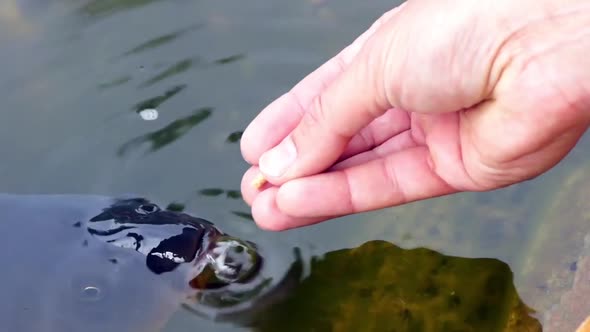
(258,181)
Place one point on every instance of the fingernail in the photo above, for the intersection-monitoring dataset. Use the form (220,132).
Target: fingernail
(276,161)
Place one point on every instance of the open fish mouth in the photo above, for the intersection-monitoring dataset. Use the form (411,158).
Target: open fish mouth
(233,260)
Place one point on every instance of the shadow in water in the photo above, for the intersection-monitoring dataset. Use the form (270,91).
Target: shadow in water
(214,192)
(169,134)
(234,137)
(115,82)
(381,287)
(161,40)
(175,69)
(229,59)
(156,101)
(98,8)
(186,64)
(176,207)
(234,195)
(179,67)
(230,194)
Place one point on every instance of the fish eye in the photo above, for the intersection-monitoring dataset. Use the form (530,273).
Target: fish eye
(147,208)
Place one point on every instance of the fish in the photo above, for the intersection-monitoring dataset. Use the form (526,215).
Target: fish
(98,263)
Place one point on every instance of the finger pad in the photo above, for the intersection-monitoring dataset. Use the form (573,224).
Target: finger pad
(269,217)
(266,214)
(317,196)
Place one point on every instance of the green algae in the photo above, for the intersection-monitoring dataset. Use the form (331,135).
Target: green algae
(381,287)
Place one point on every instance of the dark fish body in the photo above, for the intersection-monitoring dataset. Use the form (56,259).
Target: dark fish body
(93,263)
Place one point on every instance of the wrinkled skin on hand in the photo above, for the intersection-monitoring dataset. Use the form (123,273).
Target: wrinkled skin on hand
(437,97)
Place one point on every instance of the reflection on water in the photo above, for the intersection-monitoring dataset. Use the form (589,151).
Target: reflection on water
(167,135)
(11,16)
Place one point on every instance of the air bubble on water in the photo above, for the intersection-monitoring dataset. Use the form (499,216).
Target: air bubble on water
(149,114)
(91,293)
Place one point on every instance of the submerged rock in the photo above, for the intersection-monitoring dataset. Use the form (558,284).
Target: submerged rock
(381,287)
(555,263)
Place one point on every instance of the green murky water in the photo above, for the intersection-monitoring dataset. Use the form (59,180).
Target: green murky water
(75,74)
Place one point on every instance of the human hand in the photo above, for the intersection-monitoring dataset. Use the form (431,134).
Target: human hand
(437,97)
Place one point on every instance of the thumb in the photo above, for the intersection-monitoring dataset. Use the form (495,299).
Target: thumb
(346,105)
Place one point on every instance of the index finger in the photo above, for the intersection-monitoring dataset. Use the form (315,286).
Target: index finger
(279,118)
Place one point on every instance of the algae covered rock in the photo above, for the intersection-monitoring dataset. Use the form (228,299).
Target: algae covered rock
(381,287)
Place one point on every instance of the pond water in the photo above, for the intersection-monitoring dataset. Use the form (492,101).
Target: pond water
(75,76)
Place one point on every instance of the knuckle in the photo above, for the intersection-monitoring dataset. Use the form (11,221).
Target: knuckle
(314,118)
(318,119)
(395,189)
(368,138)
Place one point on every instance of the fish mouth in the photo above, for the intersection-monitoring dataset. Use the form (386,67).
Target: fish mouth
(228,260)
(108,232)
(234,260)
